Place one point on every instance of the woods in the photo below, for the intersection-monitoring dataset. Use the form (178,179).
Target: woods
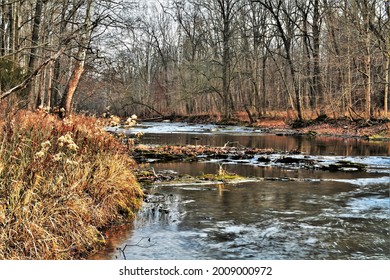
(311,76)
(179,57)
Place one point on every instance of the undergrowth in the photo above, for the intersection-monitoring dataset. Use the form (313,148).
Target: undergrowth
(61,183)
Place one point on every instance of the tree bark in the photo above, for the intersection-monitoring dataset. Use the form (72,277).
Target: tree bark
(66,102)
(2,28)
(387,55)
(67,98)
(29,90)
(317,82)
(387,86)
(226,69)
(367,59)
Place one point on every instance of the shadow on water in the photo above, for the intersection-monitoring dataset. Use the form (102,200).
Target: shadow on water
(326,215)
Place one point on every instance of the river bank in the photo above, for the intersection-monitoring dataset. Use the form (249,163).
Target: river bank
(378,130)
(62,182)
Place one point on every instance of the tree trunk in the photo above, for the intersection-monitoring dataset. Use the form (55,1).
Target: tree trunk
(49,84)
(56,68)
(367,61)
(317,82)
(387,55)
(2,28)
(387,86)
(66,101)
(264,84)
(29,90)
(367,85)
(42,89)
(67,98)
(226,65)
(298,99)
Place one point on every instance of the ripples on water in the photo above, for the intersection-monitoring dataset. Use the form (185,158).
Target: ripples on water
(341,215)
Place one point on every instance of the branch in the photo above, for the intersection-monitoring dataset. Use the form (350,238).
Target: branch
(142,104)
(23,84)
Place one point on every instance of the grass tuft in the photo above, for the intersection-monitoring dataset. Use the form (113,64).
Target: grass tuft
(61,183)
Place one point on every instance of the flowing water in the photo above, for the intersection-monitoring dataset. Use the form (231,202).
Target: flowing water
(296,213)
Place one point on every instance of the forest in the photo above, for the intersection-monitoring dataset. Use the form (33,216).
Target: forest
(300,58)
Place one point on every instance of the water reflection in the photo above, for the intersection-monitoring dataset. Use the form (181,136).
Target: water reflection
(305,144)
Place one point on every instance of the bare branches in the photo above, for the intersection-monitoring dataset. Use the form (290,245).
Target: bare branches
(34,73)
(201,57)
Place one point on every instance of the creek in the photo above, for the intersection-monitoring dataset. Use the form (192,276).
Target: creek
(297,213)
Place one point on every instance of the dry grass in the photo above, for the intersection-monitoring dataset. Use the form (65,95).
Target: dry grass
(61,182)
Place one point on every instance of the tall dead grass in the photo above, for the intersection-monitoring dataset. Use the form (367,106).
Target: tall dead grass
(61,182)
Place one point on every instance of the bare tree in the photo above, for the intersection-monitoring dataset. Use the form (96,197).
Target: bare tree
(83,41)
(33,57)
